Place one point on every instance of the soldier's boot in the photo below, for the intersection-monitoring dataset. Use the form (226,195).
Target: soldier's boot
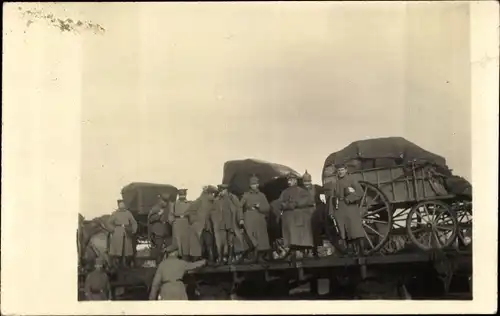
(292,255)
(211,256)
(129,262)
(256,255)
(230,255)
(350,248)
(267,255)
(315,253)
(361,247)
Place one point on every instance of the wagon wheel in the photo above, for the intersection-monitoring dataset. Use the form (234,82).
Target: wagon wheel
(376,214)
(432,224)
(463,212)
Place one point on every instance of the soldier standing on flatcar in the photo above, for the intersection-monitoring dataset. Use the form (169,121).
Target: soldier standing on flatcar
(255,211)
(168,279)
(294,202)
(124,226)
(227,219)
(97,287)
(346,194)
(159,228)
(181,229)
(312,214)
(199,215)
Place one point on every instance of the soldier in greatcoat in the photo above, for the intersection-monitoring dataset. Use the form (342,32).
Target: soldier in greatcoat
(97,287)
(123,226)
(160,230)
(312,214)
(199,215)
(295,202)
(182,232)
(168,280)
(256,209)
(346,194)
(227,219)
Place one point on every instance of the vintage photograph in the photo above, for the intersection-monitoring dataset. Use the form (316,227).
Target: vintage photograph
(213,158)
(276,152)
(272,153)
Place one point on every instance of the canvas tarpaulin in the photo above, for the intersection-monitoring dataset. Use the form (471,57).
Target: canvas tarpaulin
(140,197)
(237,173)
(382,152)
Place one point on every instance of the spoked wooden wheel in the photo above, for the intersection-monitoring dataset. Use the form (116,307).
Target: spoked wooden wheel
(463,212)
(375,211)
(431,225)
(376,214)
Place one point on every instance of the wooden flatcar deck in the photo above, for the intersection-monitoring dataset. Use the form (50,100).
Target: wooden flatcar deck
(332,261)
(462,259)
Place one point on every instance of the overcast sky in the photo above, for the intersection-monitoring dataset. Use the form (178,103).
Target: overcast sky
(171,91)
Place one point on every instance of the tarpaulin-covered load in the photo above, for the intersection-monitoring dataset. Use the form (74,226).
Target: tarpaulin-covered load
(237,173)
(383,153)
(140,197)
(388,153)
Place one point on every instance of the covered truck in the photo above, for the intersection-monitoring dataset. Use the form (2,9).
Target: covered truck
(140,197)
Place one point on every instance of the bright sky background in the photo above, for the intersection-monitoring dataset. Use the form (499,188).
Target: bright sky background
(171,91)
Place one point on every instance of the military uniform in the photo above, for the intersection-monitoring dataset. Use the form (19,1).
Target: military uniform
(256,210)
(168,279)
(295,204)
(347,192)
(97,287)
(312,216)
(124,226)
(159,228)
(199,215)
(181,228)
(226,218)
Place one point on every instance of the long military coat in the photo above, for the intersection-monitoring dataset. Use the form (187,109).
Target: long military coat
(226,216)
(97,287)
(199,214)
(348,214)
(183,233)
(121,241)
(295,203)
(256,218)
(168,279)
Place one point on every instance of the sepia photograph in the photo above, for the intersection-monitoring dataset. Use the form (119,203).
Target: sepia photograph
(338,155)
(259,151)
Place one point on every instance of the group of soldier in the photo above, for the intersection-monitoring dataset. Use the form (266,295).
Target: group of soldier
(185,231)
(238,226)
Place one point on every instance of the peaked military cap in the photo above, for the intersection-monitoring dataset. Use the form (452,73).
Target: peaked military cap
(306,177)
(222,186)
(119,201)
(254,179)
(210,189)
(291,175)
(182,191)
(340,165)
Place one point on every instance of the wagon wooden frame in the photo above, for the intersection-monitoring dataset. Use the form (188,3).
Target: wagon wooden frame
(411,201)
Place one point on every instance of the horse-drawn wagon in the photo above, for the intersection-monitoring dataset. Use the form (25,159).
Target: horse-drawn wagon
(408,192)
